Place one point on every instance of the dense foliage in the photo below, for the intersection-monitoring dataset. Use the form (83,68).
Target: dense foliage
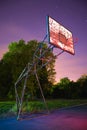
(70,89)
(13,62)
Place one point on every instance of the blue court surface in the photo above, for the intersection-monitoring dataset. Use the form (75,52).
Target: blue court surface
(72,118)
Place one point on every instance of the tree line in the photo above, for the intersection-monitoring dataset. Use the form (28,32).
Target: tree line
(70,89)
(13,62)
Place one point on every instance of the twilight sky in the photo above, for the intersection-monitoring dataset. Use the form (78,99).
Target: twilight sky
(26,19)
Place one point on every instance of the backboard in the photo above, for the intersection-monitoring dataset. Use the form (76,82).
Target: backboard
(59,36)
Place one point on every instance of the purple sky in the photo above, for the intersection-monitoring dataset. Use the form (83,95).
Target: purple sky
(26,19)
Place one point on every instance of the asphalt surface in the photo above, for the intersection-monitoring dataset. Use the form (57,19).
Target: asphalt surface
(72,118)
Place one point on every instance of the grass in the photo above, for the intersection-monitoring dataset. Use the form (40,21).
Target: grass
(9,108)
(55,104)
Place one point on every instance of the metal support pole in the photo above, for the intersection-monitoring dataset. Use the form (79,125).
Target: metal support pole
(17,102)
(31,69)
(20,108)
(41,90)
(59,53)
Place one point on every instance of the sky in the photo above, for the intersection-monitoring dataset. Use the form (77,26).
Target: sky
(26,19)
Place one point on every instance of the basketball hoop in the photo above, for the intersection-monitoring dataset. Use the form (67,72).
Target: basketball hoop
(59,37)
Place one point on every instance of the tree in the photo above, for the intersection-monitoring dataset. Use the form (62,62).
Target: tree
(74,90)
(5,79)
(70,89)
(62,88)
(18,55)
(82,83)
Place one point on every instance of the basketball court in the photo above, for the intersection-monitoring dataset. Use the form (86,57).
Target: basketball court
(72,118)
